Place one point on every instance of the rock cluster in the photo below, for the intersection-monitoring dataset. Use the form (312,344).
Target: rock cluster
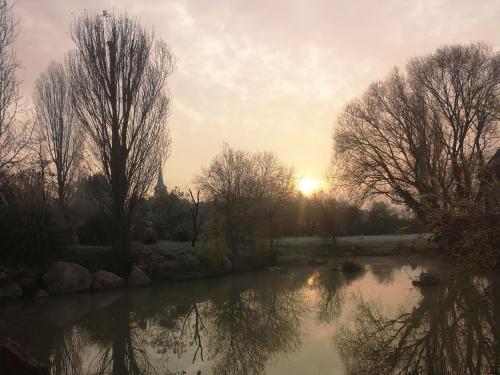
(104,280)
(64,277)
(137,278)
(67,277)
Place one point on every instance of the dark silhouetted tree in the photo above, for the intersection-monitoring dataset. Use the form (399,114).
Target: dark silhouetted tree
(118,75)
(60,133)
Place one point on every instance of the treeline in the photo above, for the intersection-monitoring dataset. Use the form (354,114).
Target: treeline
(254,202)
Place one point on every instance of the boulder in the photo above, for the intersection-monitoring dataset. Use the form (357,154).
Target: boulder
(104,280)
(64,277)
(164,270)
(10,290)
(189,262)
(137,278)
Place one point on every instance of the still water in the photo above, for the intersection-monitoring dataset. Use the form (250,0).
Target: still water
(304,321)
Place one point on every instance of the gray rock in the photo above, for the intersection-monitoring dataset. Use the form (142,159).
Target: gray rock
(10,290)
(63,277)
(227,264)
(137,278)
(164,270)
(104,280)
(41,293)
(189,262)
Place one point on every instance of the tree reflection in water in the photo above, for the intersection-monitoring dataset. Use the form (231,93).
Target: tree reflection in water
(331,289)
(252,325)
(176,327)
(453,330)
(241,325)
(66,358)
(242,329)
(122,346)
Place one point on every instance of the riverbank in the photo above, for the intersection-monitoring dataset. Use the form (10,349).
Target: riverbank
(84,268)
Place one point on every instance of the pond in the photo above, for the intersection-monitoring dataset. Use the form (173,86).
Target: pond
(303,321)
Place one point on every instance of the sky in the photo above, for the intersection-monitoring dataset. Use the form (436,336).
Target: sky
(264,74)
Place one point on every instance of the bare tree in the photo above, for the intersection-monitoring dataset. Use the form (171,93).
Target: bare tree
(277,184)
(229,182)
(13,136)
(196,217)
(59,130)
(243,188)
(118,79)
(422,136)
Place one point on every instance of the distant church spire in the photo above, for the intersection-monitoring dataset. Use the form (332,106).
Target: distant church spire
(160,188)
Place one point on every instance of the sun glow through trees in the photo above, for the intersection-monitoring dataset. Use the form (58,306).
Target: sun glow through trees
(307,185)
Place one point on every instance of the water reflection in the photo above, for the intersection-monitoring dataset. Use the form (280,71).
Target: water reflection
(66,358)
(454,329)
(251,326)
(331,290)
(117,334)
(257,324)
(238,331)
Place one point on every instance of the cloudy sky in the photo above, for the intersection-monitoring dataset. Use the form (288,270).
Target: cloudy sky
(265,74)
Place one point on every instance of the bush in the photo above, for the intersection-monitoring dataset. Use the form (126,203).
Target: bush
(263,255)
(31,229)
(95,230)
(149,236)
(477,245)
(211,255)
(180,237)
(32,236)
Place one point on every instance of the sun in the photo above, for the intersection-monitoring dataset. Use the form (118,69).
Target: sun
(307,185)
